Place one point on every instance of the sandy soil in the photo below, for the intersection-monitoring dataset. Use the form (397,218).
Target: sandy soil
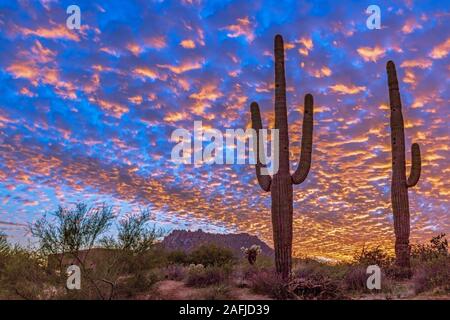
(177,290)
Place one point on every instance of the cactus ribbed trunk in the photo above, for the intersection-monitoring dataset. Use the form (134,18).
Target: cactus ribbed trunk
(399,186)
(280,185)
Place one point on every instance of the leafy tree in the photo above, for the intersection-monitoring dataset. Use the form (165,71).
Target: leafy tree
(72,229)
(4,245)
(134,234)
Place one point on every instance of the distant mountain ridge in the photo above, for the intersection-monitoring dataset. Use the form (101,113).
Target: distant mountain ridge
(188,240)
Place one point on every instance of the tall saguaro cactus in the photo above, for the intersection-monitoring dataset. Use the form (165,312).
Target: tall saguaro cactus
(280,185)
(400,185)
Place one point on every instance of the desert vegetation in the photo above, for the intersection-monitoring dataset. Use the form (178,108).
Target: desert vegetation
(130,264)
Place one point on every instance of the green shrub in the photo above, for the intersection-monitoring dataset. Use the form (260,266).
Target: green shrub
(200,276)
(434,274)
(356,279)
(212,255)
(141,282)
(218,292)
(316,287)
(437,248)
(175,272)
(268,282)
(4,246)
(23,276)
(310,268)
(177,257)
(375,256)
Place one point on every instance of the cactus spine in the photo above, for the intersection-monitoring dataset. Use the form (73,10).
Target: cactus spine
(400,185)
(280,185)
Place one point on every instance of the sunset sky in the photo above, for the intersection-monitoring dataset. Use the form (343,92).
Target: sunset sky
(87,115)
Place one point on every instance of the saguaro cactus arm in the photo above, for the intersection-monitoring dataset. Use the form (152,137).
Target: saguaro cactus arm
(304,165)
(263,180)
(415,166)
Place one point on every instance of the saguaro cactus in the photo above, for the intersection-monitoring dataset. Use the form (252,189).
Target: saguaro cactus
(400,185)
(280,185)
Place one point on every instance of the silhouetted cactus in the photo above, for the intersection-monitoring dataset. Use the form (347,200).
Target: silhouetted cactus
(281,183)
(399,188)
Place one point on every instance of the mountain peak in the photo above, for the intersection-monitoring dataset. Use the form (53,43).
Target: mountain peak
(187,241)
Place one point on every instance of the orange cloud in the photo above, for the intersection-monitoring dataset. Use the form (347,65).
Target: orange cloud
(42,54)
(371,54)
(322,72)
(156,42)
(136,99)
(307,42)
(26,92)
(175,116)
(307,46)
(409,77)
(114,109)
(58,32)
(243,28)
(344,89)
(419,63)
(145,72)
(410,26)
(441,50)
(187,44)
(184,67)
(24,70)
(134,48)
(110,51)
(208,92)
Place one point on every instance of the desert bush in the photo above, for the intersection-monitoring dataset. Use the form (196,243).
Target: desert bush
(375,256)
(309,267)
(134,234)
(201,276)
(131,285)
(268,282)
(178,257)
(72,229)
(316,288)
(123,264)
(315,280)
(23,276)
(265,262)
(4,245)
(212,255)
(129,262)
(217,292)
(4,252)
(136,244)
(175,272)
(433,275)
(438,247)
(355,280)
(75,232)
